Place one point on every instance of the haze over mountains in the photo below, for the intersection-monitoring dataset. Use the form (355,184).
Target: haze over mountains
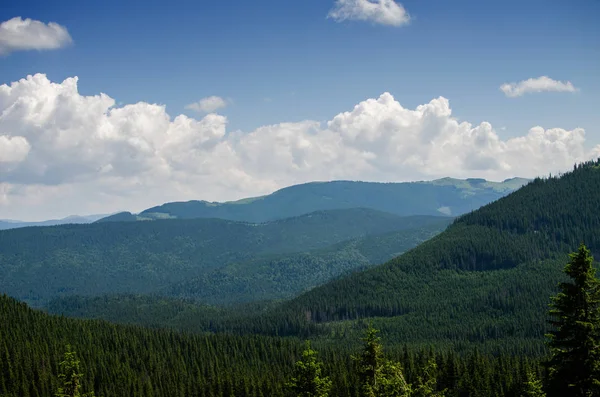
(6,224)
(445,196)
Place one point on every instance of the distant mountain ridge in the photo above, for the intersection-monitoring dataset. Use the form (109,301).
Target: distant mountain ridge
(6,224)
(446,196)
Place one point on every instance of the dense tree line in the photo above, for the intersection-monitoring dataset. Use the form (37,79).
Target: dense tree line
(573,368)
(119,360)
(136,361)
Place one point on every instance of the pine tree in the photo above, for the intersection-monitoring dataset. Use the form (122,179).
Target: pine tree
(308,380)
(574,368)
(532,386)
(369,362)
(379,377)
(70,376)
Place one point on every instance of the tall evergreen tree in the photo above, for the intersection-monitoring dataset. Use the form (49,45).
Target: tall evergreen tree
(533,386)
(379,377)
(369,362)
(70,376)
(308,380)
(574,368)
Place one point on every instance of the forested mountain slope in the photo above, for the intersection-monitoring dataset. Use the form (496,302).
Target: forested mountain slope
(284,276)
(484,282)
(119,361)
(37,264)
(271,277)
(487,276)
(440,197)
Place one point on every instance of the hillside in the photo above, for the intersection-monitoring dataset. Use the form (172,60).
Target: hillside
(37,264)
(486,278)
(131,361)
(484,282)
(440,197)
(282,276)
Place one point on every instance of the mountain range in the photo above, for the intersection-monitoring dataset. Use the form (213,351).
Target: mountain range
(484,282)
(447,196)
(6,224)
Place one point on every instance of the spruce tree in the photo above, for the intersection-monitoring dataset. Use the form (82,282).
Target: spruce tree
(532,386)
(308,380)
(574,368)
(379,377)
(70,376)
(369,362)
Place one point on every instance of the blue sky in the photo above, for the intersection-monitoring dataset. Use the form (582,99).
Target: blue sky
(286,61)
(312,68)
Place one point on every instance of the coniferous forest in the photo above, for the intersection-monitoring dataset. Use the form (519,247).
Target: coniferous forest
(504,302)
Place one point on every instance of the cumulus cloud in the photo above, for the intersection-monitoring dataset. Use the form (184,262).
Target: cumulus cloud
(384,12)
(28,34)
(540,84)
(13,149)
(62,152)
(208,105)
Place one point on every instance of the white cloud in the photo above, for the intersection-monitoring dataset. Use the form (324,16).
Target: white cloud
(384,12)
(208,104)
(13,149)
(540,84)
(64,153)
(28,34)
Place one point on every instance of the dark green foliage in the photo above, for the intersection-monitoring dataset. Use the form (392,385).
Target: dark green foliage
(451,196)
(427,384)
(37,264)
(145,310)
(132,361)
(574,368)
(308,379)
(284,276)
